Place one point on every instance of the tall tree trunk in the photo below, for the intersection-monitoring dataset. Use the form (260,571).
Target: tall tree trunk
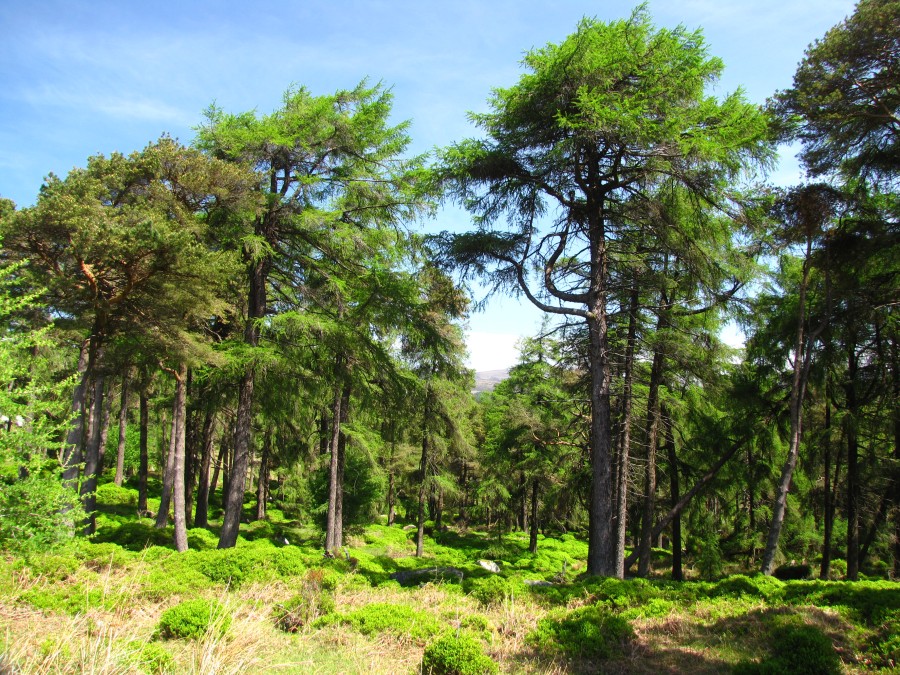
(464,505)
(423,473)
(853,486)
(623,459)
(649,505)
(105,419)
(390,499)
(179,432)
(219,466)
(73,453)
(262,483)
(123,426)
(165,500)
(828,525)
(144,461)
(190,449)
(895,390)
(523,502)
(333,487)
(201,516)
(92,457)
(533,533)
(802,355)
(234,497)
(601,548)
(341,464)
(675,495)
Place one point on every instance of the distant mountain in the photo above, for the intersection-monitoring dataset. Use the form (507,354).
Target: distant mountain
(486,380)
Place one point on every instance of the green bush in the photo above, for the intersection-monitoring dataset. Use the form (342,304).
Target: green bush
(149,657)
(69,599)
(451,655)
(101,556)
(193,619)
(312,601)
(796,648)
(110,494)
(869,602)
(651,609)
(590,632)
(200,539)
(759,586)
(53,566)
(173,574)
(401,620)
(885,645)
(490,590)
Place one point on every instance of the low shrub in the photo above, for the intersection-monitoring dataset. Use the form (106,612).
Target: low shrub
(401,620)
(759,586)
(490,590)
(200,539)
(101,556)
(590,632)
(135,536)
(53,566)
(869,602)
(110,494)
(149,657)
(452,655)
(795,648)
(172,573)
(312,601)
(653,608)
(885,644)
(71,599)
(193,619)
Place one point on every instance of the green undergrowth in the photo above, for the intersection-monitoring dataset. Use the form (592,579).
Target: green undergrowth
(457,655)
(194,619)
(592,632)
(562,619)
(400,620)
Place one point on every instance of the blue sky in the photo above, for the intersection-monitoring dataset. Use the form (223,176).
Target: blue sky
(82,78)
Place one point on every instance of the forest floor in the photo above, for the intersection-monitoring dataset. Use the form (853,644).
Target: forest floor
(106,605)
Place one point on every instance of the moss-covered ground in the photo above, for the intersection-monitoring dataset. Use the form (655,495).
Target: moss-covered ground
(95,606)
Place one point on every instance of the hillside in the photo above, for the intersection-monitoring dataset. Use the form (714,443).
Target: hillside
(486,380)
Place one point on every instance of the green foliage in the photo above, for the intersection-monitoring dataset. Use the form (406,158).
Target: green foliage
(590,632)
(759,586)
(101,556)
(134,536)
(456,655)
(150,657)
(56,566)
(401,620)
(492,589)
(709,553)
(193,619)
(795,648)
(37,511)
(361,503)
(313,600)
(867,601)
(71,599)
(110,494)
